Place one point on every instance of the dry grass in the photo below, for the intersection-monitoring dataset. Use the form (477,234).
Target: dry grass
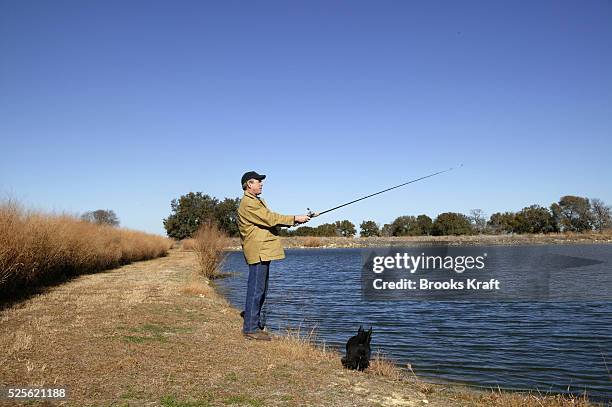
(209,244)
(597,235)
(197,286)
(187,244)
(313,242)
(423,387)
(604,237)
(381,365)
(36,247)
(131,337)
(303,345)
(507,399)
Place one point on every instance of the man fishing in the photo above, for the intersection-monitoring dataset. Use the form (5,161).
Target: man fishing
(260,245)
(260,242)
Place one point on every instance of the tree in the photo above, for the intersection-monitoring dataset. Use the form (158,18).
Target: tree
(424,224)
(286,232)
(226,215)
(503,222)
(386,230)
(410,226)
(369,228)
(573,213)
(188,213)
(601,214)
(534,219)
(305,231)
(326,230)
(101,217)
(478,220)
(404,226)
(346,228)
(450,223)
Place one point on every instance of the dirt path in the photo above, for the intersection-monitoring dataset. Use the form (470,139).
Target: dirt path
(133,336)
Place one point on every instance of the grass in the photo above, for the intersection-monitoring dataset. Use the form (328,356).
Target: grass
(509,399)
(381,365)
(134,394)
(187,244)
(209,244)
(153,333)
(244,400)
(63,337)
(75,336)
(38,248)
(171,401)
(197,285)
(312,241)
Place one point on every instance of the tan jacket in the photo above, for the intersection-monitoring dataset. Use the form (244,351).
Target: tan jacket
(258,232)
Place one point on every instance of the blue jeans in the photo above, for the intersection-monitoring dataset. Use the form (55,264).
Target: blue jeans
(257,287)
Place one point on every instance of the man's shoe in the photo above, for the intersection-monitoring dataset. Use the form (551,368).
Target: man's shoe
(258,336)
(268,334)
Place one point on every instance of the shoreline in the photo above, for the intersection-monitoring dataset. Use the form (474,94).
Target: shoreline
(315,242)
(156,333)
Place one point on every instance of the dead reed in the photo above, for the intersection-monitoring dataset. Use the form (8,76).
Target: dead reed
(187,244)
(313,241)
(37,247)
(209,244)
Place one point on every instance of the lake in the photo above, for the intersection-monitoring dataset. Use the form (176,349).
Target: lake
(553,346)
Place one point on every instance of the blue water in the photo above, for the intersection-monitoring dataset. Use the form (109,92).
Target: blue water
(551,347)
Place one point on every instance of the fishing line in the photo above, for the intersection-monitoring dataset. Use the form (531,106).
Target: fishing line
(315,214)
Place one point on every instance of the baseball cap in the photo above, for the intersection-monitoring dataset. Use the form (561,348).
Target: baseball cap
(251,175)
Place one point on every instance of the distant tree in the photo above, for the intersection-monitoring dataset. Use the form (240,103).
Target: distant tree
(346,228)
(601,214)
(424,225)
(411,226)
(286,232)
(450,223)
(188,213)
(502,222)
(101,217)
(534,219)
(573,213)
(404,226)
(479,222)
(400,226)
(386,230)
(226,215)
(305,231)
(369,228)
(326,230)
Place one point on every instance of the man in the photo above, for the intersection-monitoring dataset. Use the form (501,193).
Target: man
(260,245)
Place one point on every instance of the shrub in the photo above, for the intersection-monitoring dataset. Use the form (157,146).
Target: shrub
(209,244)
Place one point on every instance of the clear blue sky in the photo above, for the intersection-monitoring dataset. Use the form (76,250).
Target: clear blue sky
(127,105)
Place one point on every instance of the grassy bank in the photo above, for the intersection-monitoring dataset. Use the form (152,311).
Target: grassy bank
(155,333)
(36,247)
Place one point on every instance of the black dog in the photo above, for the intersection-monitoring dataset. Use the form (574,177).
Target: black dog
(358,350)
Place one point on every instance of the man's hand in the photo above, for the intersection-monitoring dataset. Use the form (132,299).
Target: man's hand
(301,218)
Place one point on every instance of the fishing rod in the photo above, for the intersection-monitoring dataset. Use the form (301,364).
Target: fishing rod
(315,214)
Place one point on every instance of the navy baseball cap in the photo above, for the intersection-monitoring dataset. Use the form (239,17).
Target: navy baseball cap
(251,175)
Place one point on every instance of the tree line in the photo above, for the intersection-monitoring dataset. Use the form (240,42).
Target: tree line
(569,214)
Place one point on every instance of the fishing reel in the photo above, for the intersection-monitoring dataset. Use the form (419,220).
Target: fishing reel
(311,214)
